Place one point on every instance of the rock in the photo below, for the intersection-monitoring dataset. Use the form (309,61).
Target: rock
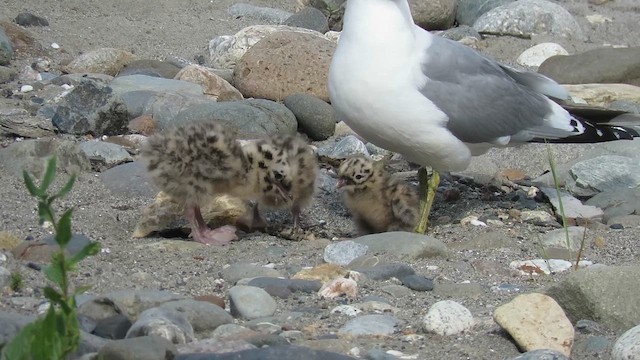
(165,213)
(624,105)
(347,146)
(343,252)
(149,67)
(203,316)
(573,210)
(130,303)
(6,74)
(29,19)
(541,354)
(591,346)
(323,272)
(278,352)
(602,65)
(91,107)
(417,282)
(606,290)
(627,347)
(267,14)
(22,42)
(12,324)
(76,79)
(142,348)
(129,83)
(309,18)
(279,286)
(212,85)
(460,32)
(618,202)
(447,317)
(404,245)
(163,322)
(607,173)
(544,266)
(130,179)
(284,63)
(626,221)
(526,18)
(459,291)
(250,118)
(114,327)
(225,51)
(6,49)
(555,242)
(251,302)
(433,14)
(470,10)
(370,325)
(536,321)
(537,217)
(33,155)
(385,271)
(237,271)
(104,60)
(315,117)
(605,95)
(105,154)
(536,55)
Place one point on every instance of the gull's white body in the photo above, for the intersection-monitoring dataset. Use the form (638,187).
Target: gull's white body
(375,80)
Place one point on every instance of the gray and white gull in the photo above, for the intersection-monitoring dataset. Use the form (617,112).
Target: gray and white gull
(439,102)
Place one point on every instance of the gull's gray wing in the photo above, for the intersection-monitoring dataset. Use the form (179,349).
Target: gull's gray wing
(482,99)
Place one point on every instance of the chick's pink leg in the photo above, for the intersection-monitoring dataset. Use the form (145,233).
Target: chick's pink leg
(203,234)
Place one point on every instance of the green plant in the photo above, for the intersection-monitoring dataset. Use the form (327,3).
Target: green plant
(565,226)
(16,282)
(57,334)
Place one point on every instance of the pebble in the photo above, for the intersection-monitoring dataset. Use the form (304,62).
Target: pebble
(536,321)
(26,88)
(607,173)
(315,117)
(167,323)
(344,252)
(345,147)
(29,19)
(404,245)
(309,18)
(106,154)
(203,316)
(251,302)
(447,317)
(544,266)
(237,271)
(536,55)
(143,348)
(417,282)
(575,212)
(370,325)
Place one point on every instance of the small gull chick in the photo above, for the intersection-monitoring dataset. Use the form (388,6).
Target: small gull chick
(376,200)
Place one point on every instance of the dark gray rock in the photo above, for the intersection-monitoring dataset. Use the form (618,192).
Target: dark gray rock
(279,286)
(168,323)
(619,202)
(91,108)
(148,67)
(104,155)
(203,316)
(114,327)
(139,348)
(525,18)
(89,343)
(417,282)
(29,19)
(470,10)
(541,354)
(594,346)
(270,15)
(315,117)
(130,179)
(6,49)
(250,118)
(270,353)
(76,78)
(386,271)
(604,65)
(309,18)
(607,173)
(589,327)
(602,295)
(11,325)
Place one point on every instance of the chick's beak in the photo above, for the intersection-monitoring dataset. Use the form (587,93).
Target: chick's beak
(286,195)
(341,182)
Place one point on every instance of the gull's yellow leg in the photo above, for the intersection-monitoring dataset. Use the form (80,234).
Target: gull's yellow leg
(428,187)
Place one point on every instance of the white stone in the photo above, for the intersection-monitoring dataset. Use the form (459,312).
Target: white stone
(55,46)
(598,19)
(348,310)
(447,317)
(536,55)
(627,347)
(26,88)
(546,266)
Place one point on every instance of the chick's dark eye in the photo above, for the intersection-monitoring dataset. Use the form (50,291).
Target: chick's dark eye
(277,176)
(358,177)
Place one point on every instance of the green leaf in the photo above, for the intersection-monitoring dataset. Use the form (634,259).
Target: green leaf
(54,272)
(44,213)
(65,189)
(63,236)
(53,296)
(49,174)
(31,187)
(82,289)
(89,250)
(20,346)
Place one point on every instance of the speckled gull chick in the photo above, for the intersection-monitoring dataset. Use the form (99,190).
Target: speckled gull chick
(439,102)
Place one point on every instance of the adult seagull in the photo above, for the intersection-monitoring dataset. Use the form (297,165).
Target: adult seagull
(439,102)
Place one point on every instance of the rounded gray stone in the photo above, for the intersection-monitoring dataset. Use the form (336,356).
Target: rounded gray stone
(315,117)
(370,325)
(344,252)
(251,302)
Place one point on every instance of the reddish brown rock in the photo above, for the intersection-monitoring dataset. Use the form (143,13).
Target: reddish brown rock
(212,85)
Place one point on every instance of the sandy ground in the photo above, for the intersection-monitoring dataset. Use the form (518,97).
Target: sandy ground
(156,29)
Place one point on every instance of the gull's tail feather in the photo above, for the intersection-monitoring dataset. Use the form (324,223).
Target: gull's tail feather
(600,125)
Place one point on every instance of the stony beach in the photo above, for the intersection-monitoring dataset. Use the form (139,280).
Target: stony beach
(496,276)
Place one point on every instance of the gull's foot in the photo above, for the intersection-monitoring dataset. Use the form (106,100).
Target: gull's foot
(219,237)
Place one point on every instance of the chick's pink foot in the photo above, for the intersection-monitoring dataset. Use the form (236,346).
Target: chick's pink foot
(220,236)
